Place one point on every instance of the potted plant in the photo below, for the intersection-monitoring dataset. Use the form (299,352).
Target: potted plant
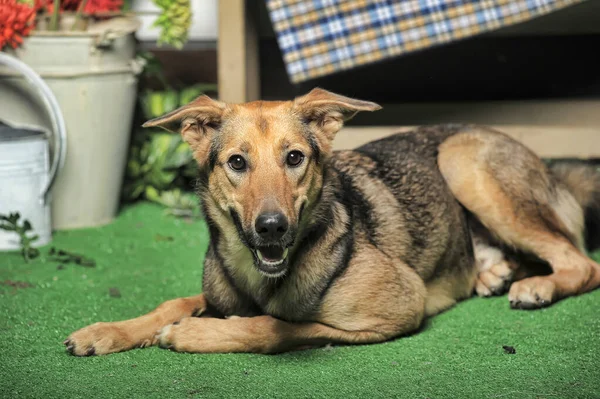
(85,50)
(160,167)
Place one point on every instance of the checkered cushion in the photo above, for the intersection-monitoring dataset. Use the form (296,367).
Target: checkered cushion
(319,37)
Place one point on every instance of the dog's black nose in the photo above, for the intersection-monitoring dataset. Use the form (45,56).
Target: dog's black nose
(271,226)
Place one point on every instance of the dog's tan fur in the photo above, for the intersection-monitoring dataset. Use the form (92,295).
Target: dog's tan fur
(383,236)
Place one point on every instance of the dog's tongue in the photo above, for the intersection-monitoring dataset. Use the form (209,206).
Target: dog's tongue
(271,253)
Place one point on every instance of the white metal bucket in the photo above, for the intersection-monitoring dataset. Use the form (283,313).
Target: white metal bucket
(93,75)
(26,173)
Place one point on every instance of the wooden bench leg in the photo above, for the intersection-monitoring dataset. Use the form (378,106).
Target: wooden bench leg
(237,52)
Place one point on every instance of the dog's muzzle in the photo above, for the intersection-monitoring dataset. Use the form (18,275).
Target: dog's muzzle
(271,251)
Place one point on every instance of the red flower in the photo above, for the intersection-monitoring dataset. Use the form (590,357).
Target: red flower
(92,6)
(16,21)
(96,6)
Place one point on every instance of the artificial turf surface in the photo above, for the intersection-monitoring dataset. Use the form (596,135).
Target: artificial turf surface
(458,354)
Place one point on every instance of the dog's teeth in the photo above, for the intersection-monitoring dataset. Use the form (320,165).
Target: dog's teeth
(272,262)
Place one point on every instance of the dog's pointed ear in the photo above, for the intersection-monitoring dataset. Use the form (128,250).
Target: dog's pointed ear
(196,121)
(326,112)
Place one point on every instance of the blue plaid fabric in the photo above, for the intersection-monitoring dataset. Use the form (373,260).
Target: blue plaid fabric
(320,37)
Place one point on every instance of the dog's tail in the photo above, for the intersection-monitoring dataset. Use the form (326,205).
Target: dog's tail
(583,181)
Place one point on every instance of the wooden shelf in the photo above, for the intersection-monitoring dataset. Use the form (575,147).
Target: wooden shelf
(545,141)
(551,128)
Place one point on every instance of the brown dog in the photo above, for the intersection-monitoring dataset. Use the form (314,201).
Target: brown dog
(310,246)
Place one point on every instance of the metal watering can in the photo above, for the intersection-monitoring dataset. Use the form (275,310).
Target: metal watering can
(26,173)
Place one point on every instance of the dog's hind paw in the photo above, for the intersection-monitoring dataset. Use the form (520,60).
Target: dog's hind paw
(495,280)
(532,293)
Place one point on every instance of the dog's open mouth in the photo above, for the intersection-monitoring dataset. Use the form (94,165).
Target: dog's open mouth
(272,260)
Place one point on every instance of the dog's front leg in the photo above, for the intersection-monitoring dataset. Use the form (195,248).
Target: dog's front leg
(104,338)
(261,334)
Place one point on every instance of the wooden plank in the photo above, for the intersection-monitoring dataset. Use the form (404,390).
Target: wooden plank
(560,112)
(547,141)
(252,52)
(237,52)
(552,128)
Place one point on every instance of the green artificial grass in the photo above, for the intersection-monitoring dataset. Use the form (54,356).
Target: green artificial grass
(458,354)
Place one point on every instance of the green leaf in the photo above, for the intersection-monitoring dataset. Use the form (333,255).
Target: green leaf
(160,149)
(171,100)
(161,178)
(33,253)
(189,94)
(14,217)
(144,151)
(169,198)
(8,227)
(190,170)
(152,194)
(133,169)
(26,225)
(180,201)
(133,190)
(180,156)
(159,146)
(127,5)
(156,105)
(207,87)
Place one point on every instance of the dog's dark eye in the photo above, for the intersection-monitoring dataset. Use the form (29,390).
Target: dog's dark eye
(295,158)
(237,163)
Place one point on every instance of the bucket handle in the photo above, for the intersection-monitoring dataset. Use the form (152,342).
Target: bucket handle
(56,117)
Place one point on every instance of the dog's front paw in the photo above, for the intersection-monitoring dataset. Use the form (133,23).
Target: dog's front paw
(495,280)
(97,339)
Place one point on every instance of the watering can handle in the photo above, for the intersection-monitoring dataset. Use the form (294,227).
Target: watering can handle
(56,117)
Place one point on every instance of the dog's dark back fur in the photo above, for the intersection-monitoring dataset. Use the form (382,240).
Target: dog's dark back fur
(433,220)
